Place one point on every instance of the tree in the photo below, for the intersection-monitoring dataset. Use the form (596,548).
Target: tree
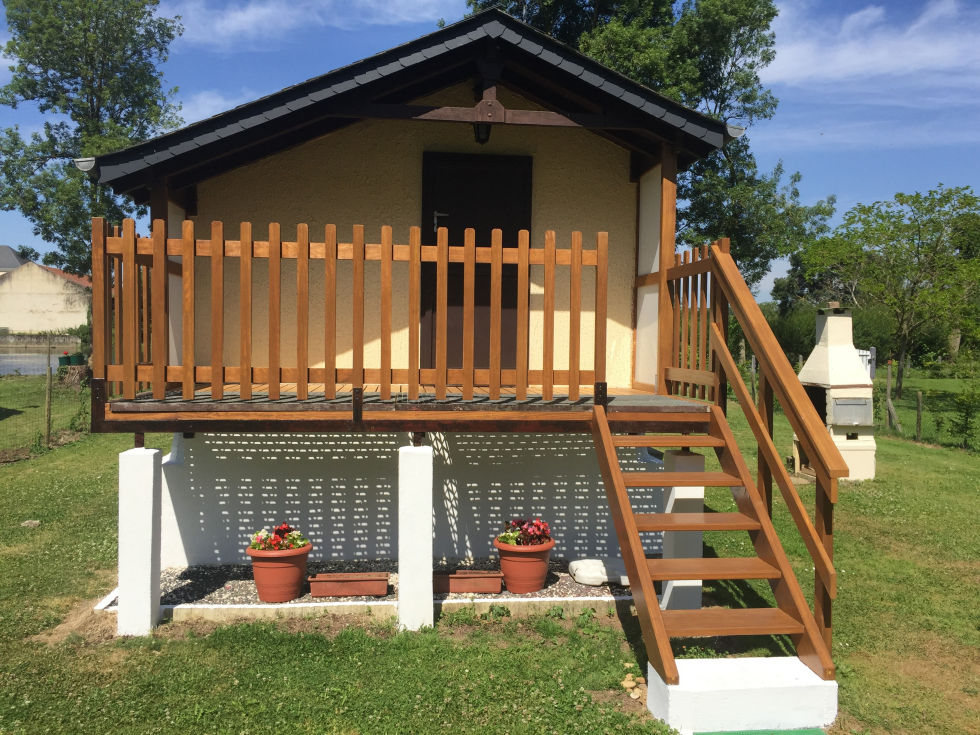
(26,252)
(908,256)
(91,66)
(706,54)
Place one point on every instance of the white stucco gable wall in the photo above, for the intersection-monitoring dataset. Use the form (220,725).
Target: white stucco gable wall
(33,299)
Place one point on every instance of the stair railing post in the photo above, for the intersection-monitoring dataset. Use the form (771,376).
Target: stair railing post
(766,411)
(719,315)
(824,525)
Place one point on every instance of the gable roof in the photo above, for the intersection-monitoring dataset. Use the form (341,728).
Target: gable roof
(529,62)
(9,259)
(83,281)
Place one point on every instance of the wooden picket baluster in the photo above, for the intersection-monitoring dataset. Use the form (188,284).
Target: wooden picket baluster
(523,266)
(188,251)
(442,301)
(302,311)
(386,286)
(143,301)
(129,315)
(330,311)
(703,321)
(217,310)
(245,307)
(676,332)
(357,307)
(414,310)
(275,307)
(469,288)
(574,316)
(117,315)
(160,347)
(601,296)
(496,283)
(548,356)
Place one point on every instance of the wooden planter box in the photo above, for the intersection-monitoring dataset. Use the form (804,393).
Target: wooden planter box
(467,580)
(350,584)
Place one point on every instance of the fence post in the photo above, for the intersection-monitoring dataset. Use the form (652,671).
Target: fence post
(47,398)
(918,415)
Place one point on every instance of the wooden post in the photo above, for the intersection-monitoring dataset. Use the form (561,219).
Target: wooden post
(766,412)
(824,525)
(47,398)
(668,222)
(888,396)
(918,415)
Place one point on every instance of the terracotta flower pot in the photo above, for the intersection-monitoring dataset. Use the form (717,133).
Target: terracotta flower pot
(525,568)
(279,575)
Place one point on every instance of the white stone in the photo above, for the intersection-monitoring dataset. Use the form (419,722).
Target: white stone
(139,541)
(415,608)
(730,694)
(599,571)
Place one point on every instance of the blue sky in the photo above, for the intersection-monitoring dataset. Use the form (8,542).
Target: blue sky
(875,97)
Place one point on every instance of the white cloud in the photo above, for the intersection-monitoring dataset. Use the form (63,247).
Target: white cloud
(225,25)
(868,45)
(874,78)
(208,102)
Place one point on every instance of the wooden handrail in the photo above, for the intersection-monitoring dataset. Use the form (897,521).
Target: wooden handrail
(811,431)
(767,450)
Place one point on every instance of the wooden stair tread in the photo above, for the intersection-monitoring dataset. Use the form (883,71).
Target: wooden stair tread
(668,440)
(680,479)
(714,621)
(751,567)
(695,522)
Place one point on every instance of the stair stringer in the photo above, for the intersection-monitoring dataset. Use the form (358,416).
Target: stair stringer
(810,645)
(655,637)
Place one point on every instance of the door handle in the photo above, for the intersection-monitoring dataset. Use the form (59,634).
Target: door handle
(435,219)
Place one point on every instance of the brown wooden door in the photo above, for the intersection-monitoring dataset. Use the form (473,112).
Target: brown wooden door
(483,192)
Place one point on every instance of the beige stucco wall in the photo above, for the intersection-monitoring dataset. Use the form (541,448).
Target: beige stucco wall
(32,299)
(370,173)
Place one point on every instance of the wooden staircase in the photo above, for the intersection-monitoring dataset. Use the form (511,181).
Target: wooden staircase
(791,616)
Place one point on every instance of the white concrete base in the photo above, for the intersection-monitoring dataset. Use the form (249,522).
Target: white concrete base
(683,594)
(139,541)
(415,608)
(726,694)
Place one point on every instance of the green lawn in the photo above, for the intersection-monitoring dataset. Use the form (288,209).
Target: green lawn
(22,410)
(939,408)
(906,623)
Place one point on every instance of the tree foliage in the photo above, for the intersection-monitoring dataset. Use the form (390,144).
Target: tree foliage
(706,54)
(913,256)
(91,67)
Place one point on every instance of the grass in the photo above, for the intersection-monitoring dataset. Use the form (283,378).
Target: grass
(905,640)
(501,674)
(22,411)
(939,413)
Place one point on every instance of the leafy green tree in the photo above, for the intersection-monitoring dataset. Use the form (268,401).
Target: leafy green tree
(26,252)
(706,54)
(908,257)
(91,66)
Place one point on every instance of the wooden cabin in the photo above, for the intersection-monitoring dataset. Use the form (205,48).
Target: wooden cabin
(473,232)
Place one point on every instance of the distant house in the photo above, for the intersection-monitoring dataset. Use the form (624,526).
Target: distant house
(36,298)
(9,260)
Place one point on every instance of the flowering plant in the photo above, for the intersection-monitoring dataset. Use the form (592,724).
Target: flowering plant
(282,537)
(525,532)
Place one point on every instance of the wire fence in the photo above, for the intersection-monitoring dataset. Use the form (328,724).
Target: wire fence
(38,412)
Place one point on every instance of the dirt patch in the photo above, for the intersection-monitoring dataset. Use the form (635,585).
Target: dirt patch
(620,699)
(325,625)
(82,621)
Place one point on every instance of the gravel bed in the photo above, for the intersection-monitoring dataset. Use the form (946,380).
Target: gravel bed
(231,584)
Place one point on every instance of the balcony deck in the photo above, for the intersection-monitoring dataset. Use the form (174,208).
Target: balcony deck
(352,410)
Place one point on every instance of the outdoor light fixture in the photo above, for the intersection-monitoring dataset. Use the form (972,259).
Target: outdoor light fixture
(84,164)
(481,132)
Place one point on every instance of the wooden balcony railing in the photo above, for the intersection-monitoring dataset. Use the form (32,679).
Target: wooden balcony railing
(132,313)
(705,285)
